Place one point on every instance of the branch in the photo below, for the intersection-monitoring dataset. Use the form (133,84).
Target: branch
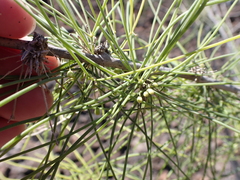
(104,59)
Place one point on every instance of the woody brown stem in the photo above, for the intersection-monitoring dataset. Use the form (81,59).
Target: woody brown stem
(106,60)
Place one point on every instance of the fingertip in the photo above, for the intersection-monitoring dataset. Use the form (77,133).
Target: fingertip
(16,22)
(52,62)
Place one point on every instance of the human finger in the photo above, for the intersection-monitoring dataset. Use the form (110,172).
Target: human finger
(15,21)
(10,133)
(32,104)
(11,64)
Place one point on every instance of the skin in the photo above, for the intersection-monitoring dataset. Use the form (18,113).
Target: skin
(10,133)
(12,15)
(33,103)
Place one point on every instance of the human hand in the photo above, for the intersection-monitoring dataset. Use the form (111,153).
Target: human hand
(17,24)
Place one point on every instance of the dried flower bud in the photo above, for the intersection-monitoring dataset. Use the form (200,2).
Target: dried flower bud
(155,84)
(145,94)
(139,99)
(150,91)
(70,74)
